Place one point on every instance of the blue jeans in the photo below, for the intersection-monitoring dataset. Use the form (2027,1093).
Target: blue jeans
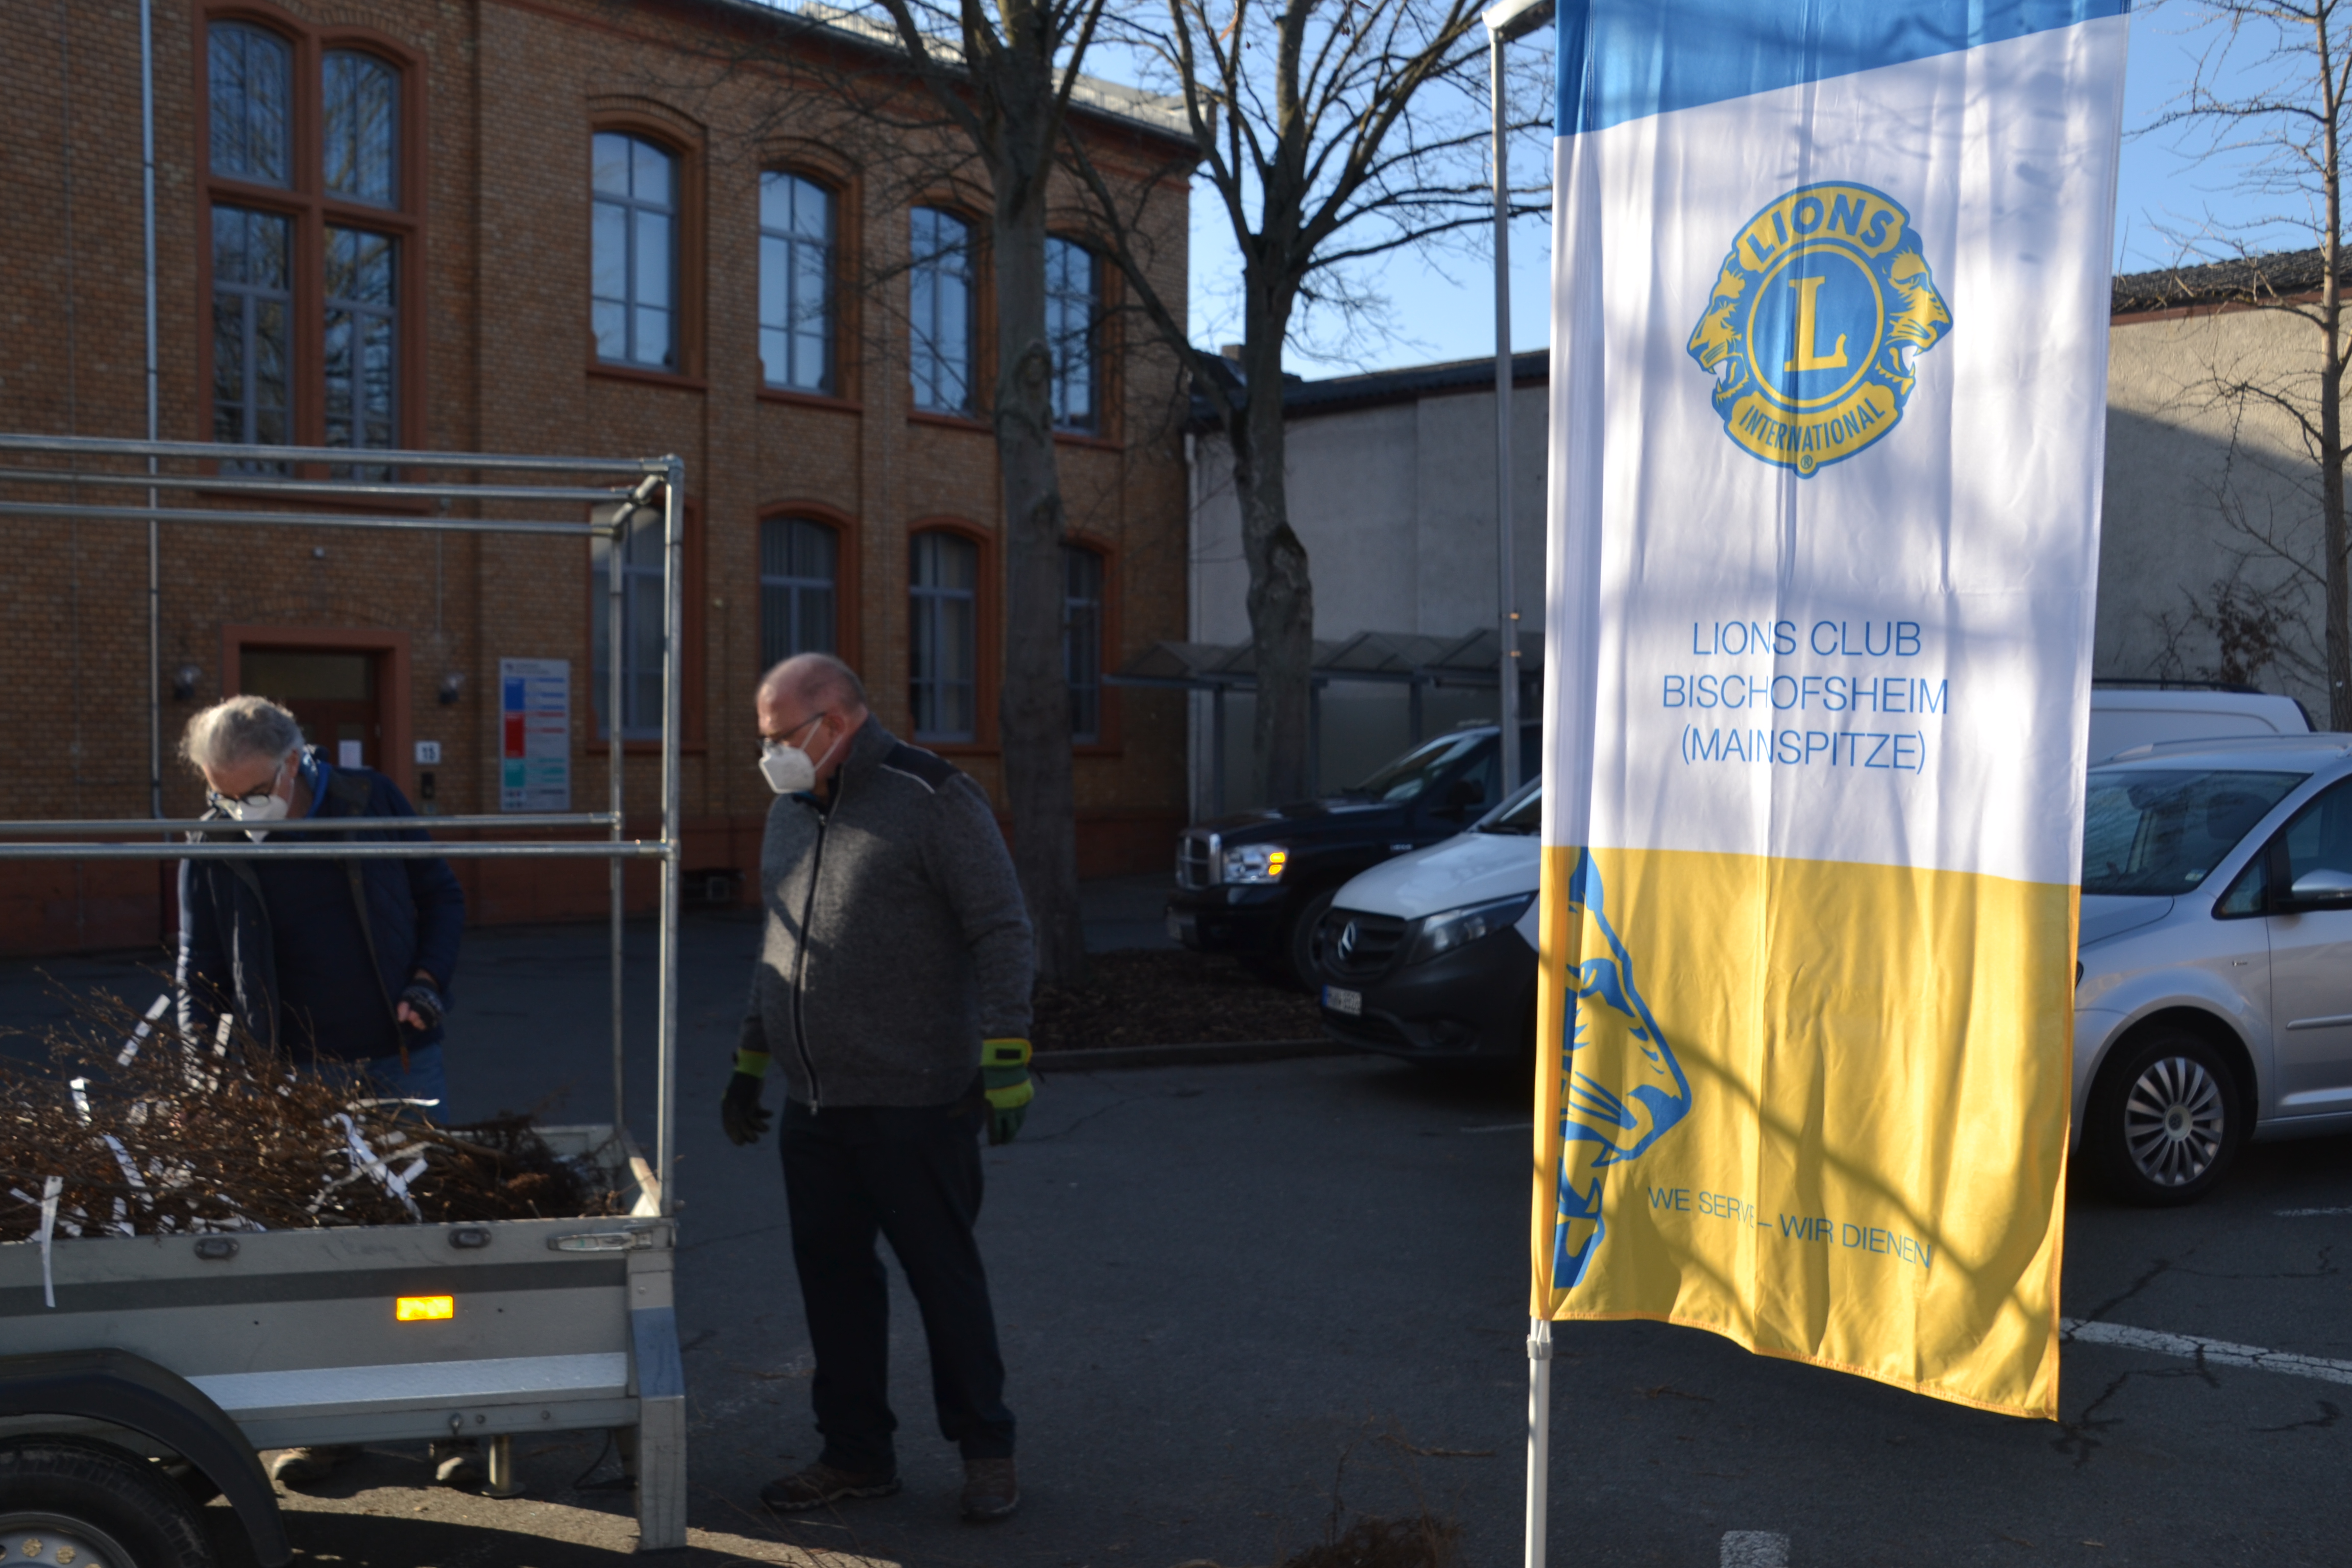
(424,1079)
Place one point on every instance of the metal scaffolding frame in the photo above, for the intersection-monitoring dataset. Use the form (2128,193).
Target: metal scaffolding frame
(652,482)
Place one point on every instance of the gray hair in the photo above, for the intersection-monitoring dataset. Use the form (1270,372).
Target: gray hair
(240,729)
(818,678)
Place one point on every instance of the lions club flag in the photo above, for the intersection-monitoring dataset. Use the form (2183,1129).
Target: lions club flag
(1828,377)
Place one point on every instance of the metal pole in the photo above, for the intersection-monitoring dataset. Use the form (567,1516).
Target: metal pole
(1507,600)
(1505,21)
(1538,1436)
(673,702)
(614,769)
(100,446)
(1217,753)
(154,400)
(1314,741)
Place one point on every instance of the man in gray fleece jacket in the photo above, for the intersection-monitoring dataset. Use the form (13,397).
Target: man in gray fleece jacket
(892,990)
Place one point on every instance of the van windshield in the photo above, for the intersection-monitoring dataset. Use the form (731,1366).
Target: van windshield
(1417,769)
(2151,831)
(1522,814)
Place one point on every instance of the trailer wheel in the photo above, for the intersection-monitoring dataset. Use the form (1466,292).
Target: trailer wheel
(68,1500)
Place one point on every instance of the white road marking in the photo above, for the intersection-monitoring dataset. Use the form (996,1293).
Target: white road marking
(2307,1214)
(2214,1353)
(1504,1127)
(1754,1549)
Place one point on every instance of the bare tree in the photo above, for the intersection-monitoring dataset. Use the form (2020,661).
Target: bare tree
(1005,83)
(974,98)
(1328,133)
(2268,97)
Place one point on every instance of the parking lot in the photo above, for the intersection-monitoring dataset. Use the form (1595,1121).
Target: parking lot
(1229,1292)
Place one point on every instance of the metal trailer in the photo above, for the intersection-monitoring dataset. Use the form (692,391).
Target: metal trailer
(140,1375)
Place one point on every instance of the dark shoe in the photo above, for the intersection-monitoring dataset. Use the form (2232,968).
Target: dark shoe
(991,1489)
(456,1462)
(821,1484)
(308,1467)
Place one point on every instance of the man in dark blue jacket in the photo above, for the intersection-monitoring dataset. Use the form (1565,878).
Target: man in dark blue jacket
(324,960)
(343,961)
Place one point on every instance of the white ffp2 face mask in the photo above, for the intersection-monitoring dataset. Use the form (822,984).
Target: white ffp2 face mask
(790,769)
(787,769)
(272,808)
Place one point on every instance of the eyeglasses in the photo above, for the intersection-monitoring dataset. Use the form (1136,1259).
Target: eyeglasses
(769,743)
(260,797)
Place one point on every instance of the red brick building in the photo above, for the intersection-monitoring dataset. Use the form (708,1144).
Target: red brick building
(563,226)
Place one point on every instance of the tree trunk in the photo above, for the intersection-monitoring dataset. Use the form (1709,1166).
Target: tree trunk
(1281,593)
(1034,706)
(2331,390)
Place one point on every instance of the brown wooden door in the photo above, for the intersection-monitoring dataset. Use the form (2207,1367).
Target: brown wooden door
(335,694)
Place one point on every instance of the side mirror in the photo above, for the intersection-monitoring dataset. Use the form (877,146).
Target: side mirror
(2324,886)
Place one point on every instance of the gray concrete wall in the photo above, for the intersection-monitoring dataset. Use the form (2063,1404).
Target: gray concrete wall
(1395,505)
(2206,484)
(2207,480)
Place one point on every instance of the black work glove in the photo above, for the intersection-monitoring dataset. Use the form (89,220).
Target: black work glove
(426,1003)
(741,1113)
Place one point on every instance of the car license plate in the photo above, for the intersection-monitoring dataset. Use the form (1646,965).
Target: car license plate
(1180,929)
(1339,999)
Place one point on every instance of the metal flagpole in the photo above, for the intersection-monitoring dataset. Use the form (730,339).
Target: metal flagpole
(1506,21)
(1539,1436)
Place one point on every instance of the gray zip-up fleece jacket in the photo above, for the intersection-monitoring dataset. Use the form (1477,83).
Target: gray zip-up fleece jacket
(897,938)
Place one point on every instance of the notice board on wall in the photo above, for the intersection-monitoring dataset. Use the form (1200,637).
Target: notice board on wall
(534,735)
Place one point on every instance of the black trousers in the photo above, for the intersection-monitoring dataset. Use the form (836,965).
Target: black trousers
(912,1175)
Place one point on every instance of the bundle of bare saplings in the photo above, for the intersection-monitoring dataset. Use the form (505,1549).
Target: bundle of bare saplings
(138,1129)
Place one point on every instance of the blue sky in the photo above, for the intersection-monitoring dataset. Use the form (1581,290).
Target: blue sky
(1442,305)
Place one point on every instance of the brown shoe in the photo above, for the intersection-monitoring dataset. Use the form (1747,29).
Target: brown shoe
(821,1484)
(991,1489)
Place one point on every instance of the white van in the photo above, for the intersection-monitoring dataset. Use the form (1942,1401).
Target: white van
(2128,714)
(1432,955)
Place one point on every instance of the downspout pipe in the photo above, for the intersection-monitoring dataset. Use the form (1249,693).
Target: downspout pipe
(154,391)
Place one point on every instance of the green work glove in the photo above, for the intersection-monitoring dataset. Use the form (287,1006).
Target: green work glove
(1004,1070)
(741,1112)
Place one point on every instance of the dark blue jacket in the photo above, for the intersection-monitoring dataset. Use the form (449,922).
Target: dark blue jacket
(415,912)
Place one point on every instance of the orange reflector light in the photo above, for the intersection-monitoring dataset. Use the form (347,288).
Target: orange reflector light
(424,1309)
(1275,861)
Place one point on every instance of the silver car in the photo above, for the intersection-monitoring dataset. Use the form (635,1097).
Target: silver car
(2213,1000)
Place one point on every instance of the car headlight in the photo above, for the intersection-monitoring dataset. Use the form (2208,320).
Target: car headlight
(1256,864)
(1445,932)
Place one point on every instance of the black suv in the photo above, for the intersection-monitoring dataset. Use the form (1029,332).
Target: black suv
(1256,884)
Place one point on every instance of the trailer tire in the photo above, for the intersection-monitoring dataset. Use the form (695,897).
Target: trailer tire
(119,1510)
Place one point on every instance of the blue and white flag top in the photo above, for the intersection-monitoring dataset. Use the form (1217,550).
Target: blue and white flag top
(1829,362)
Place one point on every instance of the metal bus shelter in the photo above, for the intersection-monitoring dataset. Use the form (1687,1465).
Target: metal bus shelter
(145,1341)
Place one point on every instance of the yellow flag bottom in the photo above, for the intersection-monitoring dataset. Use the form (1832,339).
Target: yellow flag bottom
(1818,1108)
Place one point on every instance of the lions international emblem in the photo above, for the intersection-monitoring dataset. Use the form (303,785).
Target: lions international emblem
(1820,314)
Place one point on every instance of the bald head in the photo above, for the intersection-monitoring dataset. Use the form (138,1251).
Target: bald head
(816,702)
(814,680)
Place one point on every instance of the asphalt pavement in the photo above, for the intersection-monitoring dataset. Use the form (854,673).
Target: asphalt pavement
(1240,1301)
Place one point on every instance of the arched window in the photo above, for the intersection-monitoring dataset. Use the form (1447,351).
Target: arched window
(943,662)
(939,288)
(298,255)
(249,79)
(634,289)
(800,564)
(1073,307)
(1082,639)
(797,228)
(362,127)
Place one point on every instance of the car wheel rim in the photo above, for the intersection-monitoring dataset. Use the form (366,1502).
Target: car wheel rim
(2174,1119)
(54,1539)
